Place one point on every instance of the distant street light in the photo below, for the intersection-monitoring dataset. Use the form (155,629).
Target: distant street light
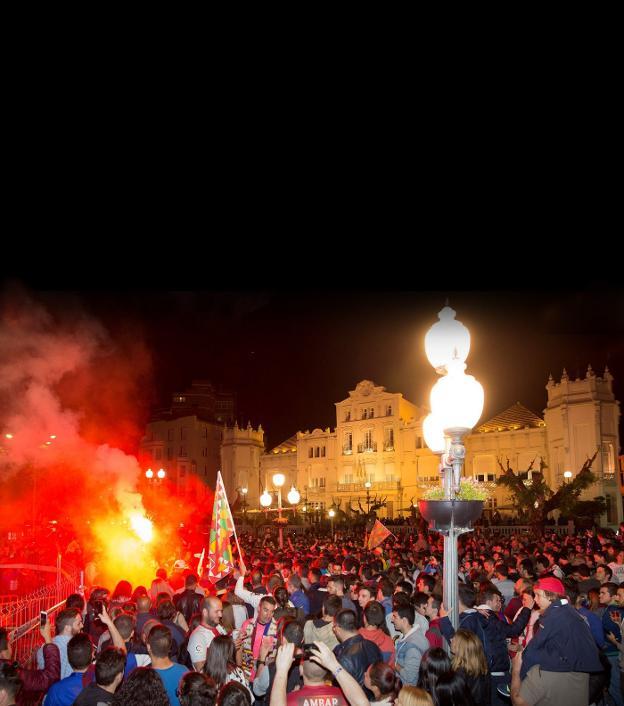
(149,473)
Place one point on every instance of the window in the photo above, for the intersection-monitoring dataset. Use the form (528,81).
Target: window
(388,410)
(388,439)
(491,477)
(347,443)
(348,478)
(205,432)
(180,398)
(158,454)
(419,442)
(321,482)
(368,439)
(183,434)
(204,451)
(608,460)
(311,452)
(481,478)
(323,451)
(371,412)
(347,416)
(364,414)
(170,435)
(183,451)
(182,470)
(317,452)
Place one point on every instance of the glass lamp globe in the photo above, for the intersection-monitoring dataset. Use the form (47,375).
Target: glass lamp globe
(448,339)
(266,499)
(332,513)
(161,473)
(279,479)
(434,434)
(457,399)
(149,473)
(293,496)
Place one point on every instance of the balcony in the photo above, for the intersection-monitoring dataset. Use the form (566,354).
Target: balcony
(367,448)
(347,451)
(360,488)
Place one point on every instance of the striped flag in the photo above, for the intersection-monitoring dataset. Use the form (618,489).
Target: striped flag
(377,535)
(220,560)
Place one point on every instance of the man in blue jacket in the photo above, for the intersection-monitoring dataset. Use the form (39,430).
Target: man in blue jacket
(608,593)
(559,657)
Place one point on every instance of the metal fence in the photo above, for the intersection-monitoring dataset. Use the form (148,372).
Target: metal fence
(20,616)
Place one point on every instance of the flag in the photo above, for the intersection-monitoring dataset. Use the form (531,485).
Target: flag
(377,535)
(220,560)
(200,565)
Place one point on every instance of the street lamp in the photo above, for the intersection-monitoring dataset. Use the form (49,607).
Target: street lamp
(456,405)
(244,491)
(293,498)
(278,481)
(332,514)
(367,485)
(567,475)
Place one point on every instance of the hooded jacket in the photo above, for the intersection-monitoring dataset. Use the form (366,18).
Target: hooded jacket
(563,644)
(320,630)
(38,681)
(409,651)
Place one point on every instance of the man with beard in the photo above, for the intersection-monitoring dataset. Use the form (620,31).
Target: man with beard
(206,631)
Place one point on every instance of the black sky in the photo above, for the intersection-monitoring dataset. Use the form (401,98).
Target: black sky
(291,354)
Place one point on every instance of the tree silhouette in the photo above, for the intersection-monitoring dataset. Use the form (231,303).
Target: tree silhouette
(535,499)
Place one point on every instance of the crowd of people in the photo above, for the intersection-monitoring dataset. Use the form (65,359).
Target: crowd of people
(327,622)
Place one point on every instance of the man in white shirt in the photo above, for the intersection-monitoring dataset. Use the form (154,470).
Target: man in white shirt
(206,631)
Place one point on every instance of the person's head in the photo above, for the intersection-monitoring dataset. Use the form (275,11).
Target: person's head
(619,597)
(80,652)
(547,591)
(607,593)
(144,603)
(233,694)
(123,591)
(5,646)
(166,610)
(603,573)
(281,597)
(451,690)
(75,600)
(197,689)
(143,687)
(468,654)
(10,683)
(380,678)
(221,655)
(69,622)
(403,616)
(335,586)
(345,624)
(125,624)
(385,589)
(491,597)
(331,605)
(432,609)
(433,664)
(190,582)
(364,596)
(294,584)
(374,615)
(109,667)
(413,696)
(314,576)
(212,611)
(522,585)
(425,583)
(290,630)
(266,609)
(313,673)
(420,601)
(467,596)
(159,642)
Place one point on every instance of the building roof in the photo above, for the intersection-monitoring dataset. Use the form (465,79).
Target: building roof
(515,417)
(288,446)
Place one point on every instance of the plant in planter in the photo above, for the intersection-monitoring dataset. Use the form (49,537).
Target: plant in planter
(469,489)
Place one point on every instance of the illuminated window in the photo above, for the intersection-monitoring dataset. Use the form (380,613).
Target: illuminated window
(317,452)
(364,414)
(311,452)
(323,451)
(371,412)
(321,482)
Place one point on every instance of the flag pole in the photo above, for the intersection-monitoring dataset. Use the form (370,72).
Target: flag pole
(240,552)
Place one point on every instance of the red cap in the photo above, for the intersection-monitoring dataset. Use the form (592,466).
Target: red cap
(551,584)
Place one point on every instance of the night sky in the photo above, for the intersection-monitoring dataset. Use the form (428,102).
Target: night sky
(289,354)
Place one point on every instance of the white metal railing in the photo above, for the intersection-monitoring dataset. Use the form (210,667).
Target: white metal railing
(360,487)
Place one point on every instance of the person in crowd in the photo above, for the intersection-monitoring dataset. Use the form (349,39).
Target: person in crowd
(79,655)
(159,648)
(255,632)
(316,596)
(34,681)
(380,680)
(410,646)
(290,631)
(434,663)
(297,596)
(68,623)
(221,664)
(375,629)
(336,587)
(142,688)
(109,673)
(469,661)
(611,622)
(452,690)
(322,628)
(197,689)
(10,684)
(209,628)
(354,653)
(189,601)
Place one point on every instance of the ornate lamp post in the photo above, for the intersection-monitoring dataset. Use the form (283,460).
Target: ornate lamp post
(293,498)
(456,405)
(567,475)
(367,485)
(332,514)
(278,481)
(244,491)
(265,501)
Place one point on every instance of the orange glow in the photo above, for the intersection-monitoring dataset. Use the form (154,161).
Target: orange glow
(142,527)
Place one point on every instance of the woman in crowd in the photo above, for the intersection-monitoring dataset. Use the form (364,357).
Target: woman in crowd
(221,663)
(380,679)
(469,661)
(452,690)
(143,687)
(413,696)
(434,663)
(234,694)
(283,610)
(197,689)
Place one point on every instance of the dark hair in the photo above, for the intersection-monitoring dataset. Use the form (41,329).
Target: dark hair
(268,599)
(433,664)
(75,600)
(80,651)
(138,592)
(110,663)
(122,590)
(376,615)
(125,624)
(383,677)
(404,610)
(234,694)
(291,630)
(159,640)
(142,687)
(488,593)
(405,586)
(65,618)
(451,690)
(190,581)
(316,573)
(421,598)
(386,587)
(166,610)
(611,587)
(606,568)
(256,577)
(332,605)
(4,639)
(338,580)
(295,581)
(197,689)
(346,619)
(467,595)
(220,659)
(9,679)
(428,580)
(281,597)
